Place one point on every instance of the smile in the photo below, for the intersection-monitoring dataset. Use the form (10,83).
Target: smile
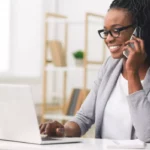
(114,48)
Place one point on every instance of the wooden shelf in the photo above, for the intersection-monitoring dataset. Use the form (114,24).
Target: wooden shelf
(63,69)
(55,94)
(74,68)
(57,117)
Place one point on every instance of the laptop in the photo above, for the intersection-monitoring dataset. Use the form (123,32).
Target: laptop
(18,120)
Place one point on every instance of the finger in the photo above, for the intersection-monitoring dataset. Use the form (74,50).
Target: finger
(48,129)
(56,125)
(128,48)
(141,42)
(134,45)
(42,129)
(137,44)
(40,125)
(60,132)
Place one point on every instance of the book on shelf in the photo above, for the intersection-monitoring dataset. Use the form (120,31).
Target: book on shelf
(57,52)
(75,100)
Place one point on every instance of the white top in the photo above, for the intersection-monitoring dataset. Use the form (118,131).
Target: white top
(117,122)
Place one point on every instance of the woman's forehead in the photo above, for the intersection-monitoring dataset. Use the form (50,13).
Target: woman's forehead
(118,17)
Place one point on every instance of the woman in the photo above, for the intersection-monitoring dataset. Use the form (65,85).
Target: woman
(119,102)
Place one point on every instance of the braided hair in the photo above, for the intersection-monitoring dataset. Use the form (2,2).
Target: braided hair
(140,11)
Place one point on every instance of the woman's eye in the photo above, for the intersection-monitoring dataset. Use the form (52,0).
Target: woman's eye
(115,30)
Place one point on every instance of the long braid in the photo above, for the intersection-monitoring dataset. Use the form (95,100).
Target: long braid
(140,11)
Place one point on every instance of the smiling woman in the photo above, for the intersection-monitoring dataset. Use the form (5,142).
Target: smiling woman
(119,102)
(4,35)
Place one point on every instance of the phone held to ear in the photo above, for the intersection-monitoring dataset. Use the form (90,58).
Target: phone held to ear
(137,33)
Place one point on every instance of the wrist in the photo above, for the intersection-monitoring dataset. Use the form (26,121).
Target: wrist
(72,129)
(132,74)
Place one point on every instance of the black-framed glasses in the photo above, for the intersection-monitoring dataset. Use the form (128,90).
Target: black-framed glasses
(115,32)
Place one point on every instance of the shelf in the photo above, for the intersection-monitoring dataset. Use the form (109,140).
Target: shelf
(57,117)
(55,94)
(54,108)
(64,69)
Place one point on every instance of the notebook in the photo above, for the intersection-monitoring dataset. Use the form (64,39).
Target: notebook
(127,144)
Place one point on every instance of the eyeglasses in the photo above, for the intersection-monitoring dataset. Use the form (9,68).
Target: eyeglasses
(113,32)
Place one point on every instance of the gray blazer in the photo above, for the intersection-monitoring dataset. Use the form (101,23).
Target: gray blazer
(92,109)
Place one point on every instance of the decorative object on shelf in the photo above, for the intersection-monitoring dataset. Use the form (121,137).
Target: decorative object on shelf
(58,53)
(79,55)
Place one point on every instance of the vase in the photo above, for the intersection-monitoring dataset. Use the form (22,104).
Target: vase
(79,62)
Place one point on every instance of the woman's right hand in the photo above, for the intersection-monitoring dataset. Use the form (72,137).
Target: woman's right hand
(52,128)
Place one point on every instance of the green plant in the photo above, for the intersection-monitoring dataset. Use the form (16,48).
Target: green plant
(79,54)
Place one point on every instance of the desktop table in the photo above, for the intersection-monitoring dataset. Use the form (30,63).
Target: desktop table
(87,144)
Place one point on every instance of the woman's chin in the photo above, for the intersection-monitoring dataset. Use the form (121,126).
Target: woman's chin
(117,56)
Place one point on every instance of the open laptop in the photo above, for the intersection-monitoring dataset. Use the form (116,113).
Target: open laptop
(18,121)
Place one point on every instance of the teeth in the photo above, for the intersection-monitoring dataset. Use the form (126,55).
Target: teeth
(114,47)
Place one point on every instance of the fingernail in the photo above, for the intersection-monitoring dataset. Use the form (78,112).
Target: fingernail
(45,132)
(61,130)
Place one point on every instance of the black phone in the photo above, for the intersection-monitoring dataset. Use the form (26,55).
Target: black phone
(137,33)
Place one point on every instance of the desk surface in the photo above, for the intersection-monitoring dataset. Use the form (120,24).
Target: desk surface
(87,144)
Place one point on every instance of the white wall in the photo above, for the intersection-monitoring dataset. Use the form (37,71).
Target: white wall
(76,9)
(4,35)
(27,37)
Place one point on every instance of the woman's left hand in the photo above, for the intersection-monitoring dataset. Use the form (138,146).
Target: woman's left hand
(137,54)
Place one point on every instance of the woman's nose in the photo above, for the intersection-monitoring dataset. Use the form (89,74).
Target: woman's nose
(109,38)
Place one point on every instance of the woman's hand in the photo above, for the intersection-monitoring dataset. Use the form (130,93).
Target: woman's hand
(52,128)
(136,56)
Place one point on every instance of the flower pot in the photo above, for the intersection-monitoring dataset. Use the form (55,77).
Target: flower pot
(79,62)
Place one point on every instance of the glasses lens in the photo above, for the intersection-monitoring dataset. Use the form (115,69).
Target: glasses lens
(103,34)
(115,32)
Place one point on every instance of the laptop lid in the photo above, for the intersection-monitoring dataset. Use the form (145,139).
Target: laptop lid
(18,120)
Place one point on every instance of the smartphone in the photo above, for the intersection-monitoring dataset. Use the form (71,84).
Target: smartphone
(137,33)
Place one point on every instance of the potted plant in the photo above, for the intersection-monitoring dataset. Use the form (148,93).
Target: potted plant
(79,55)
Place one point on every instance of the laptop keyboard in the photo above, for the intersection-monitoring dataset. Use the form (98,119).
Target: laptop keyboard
(47,138)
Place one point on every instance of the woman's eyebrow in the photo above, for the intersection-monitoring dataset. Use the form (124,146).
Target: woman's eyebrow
(114,25)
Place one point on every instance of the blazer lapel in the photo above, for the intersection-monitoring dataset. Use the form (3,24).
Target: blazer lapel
(146,83)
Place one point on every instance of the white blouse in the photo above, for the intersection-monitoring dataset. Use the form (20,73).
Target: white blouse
(117,122)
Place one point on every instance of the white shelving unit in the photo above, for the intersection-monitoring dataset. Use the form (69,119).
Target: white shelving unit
(63,69)
(57,117)
(47,68)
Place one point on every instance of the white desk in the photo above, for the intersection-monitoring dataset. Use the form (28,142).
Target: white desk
(87,144)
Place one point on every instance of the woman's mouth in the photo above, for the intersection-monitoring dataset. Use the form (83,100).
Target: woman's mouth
(114,48)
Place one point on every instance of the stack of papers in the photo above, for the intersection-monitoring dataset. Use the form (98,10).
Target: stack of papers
(127,144)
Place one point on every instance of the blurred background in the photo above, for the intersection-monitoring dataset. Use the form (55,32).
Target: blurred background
(39,39)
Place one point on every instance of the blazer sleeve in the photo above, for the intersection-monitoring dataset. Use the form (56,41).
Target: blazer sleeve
(85,117)
(139,104)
